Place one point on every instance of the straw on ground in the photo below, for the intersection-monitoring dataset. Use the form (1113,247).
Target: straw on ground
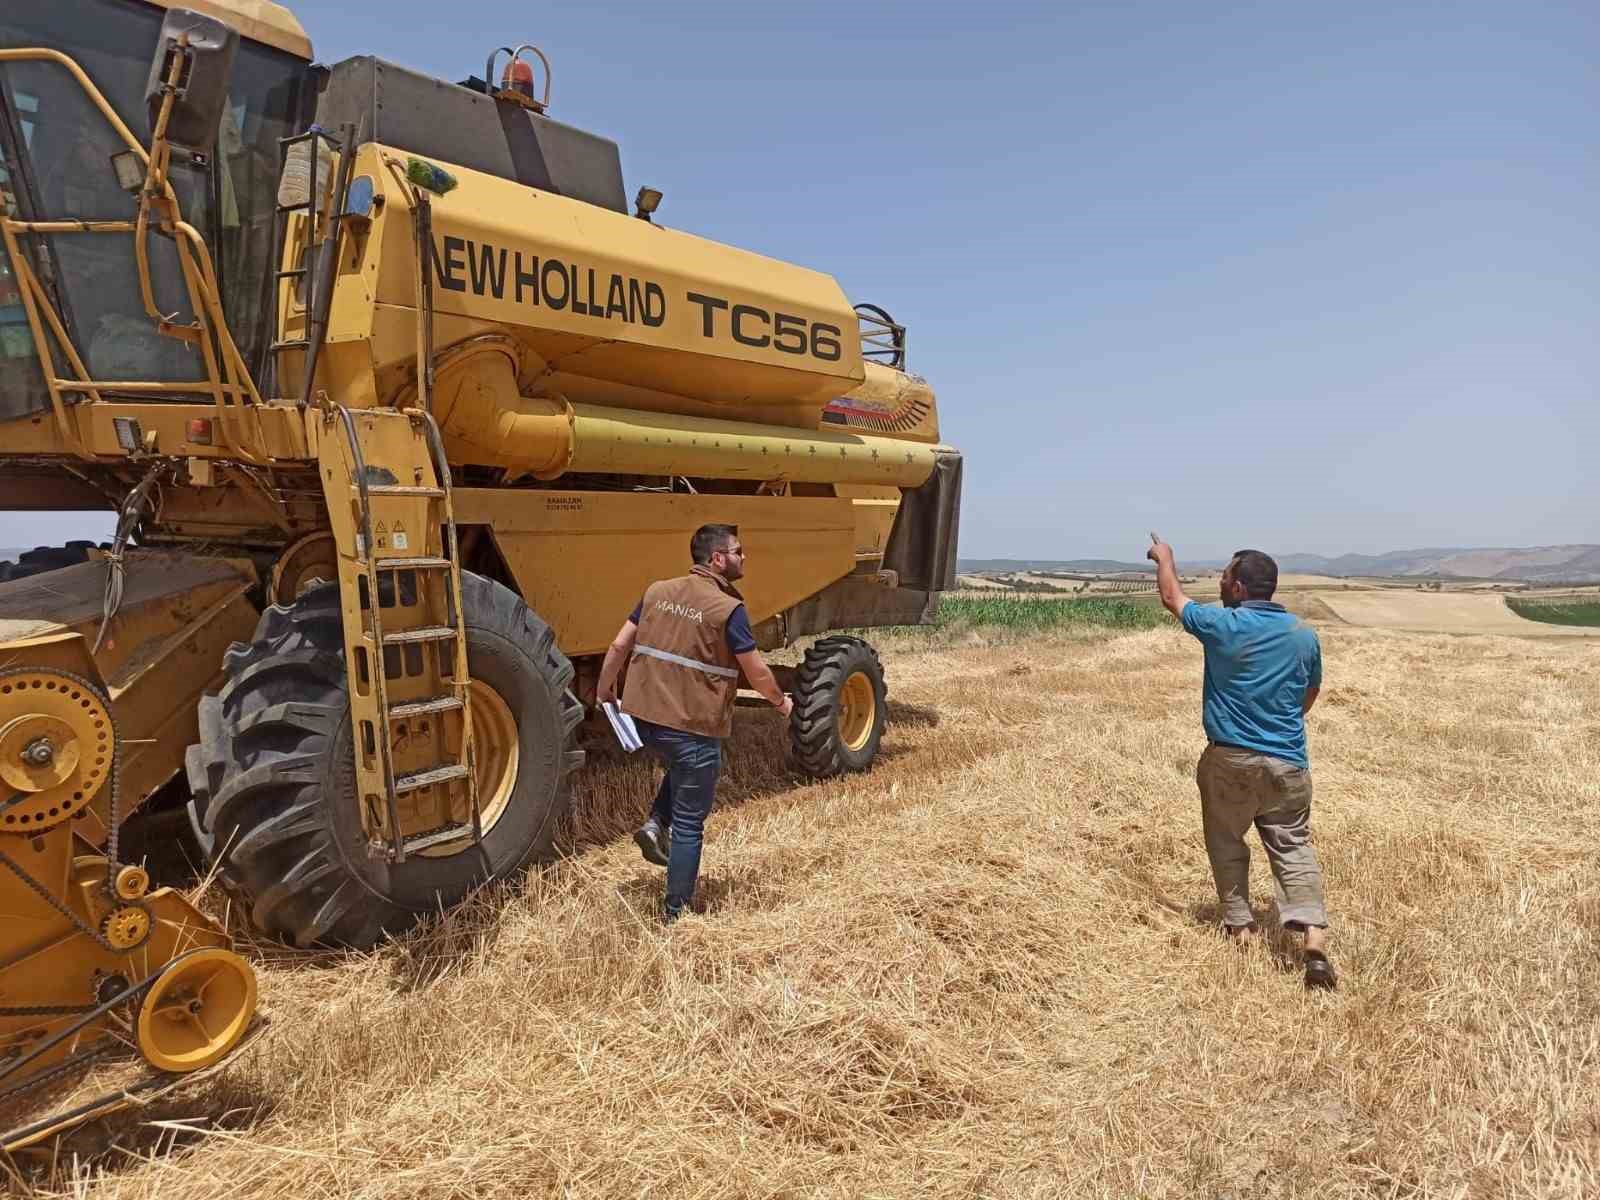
(988,968)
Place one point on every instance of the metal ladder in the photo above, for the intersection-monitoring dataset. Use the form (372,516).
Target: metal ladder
(404,626)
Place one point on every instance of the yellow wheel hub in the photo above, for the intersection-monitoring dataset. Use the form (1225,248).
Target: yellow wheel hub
(56,744)
(197,1010)
(858,710)
(496,754)
(131,883)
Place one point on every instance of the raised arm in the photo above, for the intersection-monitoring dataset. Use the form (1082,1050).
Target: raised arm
(1172,597)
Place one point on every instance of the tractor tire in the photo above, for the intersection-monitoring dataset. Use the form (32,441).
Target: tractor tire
(45,558)
(839,708)
(273,777)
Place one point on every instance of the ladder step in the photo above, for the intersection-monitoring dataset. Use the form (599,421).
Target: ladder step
(400,489)
(426,841)
(417,708)
(411,564)
(291,344)
(425,633)
(422,779)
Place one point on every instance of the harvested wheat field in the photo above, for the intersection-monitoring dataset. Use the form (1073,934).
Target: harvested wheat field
(988,968)
(1442,612)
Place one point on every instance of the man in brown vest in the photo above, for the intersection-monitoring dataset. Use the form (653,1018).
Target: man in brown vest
(685,645)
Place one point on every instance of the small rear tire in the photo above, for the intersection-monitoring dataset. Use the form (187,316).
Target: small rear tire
(839,707)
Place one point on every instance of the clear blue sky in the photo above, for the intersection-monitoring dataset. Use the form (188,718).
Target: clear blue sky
(1313,277)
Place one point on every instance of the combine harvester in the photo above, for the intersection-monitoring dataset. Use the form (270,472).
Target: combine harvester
(400,408)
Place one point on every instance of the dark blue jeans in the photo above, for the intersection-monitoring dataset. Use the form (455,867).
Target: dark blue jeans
(683,802)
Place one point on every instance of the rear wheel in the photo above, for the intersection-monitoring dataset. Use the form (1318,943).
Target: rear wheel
(839,707)
(273,778)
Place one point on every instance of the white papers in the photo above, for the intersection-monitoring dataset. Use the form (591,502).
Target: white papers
(622,725)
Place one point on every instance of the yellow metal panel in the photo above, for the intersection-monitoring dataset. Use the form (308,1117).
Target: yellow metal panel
(889,402)
(875,509)
(279,427)
(611,299)
(583,559)
(259,20)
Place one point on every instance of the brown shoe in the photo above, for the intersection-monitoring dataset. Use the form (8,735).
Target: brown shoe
(1319,972)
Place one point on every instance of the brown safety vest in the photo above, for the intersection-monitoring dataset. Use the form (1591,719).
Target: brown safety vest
(682,674)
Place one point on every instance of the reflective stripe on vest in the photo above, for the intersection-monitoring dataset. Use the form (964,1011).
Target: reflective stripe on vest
(693,663)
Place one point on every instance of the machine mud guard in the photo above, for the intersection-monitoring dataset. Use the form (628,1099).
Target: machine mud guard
(922,544)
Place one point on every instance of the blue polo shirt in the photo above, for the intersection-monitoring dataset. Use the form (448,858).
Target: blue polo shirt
(1260,659)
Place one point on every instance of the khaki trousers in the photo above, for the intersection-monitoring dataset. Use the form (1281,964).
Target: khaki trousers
(1240,788)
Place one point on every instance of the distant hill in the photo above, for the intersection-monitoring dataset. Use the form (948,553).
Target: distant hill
(1535,564)
(1580,568)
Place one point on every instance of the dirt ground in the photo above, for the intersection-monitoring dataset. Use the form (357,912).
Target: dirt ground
(987,968)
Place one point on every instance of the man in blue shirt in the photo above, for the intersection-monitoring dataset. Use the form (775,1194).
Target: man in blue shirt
(1263,673)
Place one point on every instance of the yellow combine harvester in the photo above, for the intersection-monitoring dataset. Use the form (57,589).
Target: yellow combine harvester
(400,408)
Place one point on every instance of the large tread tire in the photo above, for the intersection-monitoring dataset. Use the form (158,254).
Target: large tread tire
(273,776)
(46,558)
(819,747)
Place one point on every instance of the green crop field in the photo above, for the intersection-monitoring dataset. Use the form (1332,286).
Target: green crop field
(1032,613)
(1558,610)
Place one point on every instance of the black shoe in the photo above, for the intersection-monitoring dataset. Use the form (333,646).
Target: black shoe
(654,842)
(1319,972)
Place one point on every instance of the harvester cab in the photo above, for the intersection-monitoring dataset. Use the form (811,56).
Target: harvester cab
(400,408)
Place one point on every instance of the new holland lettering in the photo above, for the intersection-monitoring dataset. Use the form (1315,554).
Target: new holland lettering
(463,265)
(495,272)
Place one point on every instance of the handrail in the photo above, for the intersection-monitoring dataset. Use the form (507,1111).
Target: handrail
(883,339)
(228,381)
(24,53)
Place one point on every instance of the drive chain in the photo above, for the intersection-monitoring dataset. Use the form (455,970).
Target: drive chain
(131,996)
(113,817)
(43,893)
(76,1063)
